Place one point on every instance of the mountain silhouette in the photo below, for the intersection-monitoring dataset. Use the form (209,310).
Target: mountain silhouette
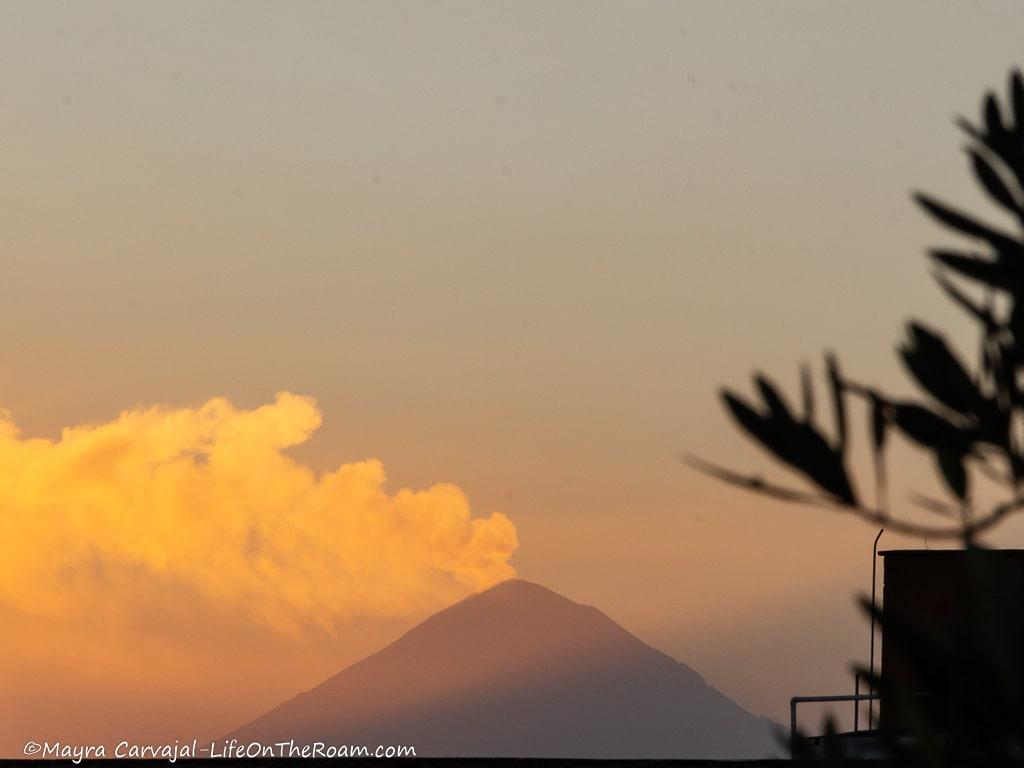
(519,671)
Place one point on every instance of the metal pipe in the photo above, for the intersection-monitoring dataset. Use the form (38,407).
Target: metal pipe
(856,704)
(874,580)
(792,723)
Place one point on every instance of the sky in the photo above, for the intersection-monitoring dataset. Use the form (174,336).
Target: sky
(315,317)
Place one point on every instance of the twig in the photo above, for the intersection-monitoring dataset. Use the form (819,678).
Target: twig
(877,517)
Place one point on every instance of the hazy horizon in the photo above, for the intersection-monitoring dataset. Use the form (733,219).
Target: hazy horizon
(319,317)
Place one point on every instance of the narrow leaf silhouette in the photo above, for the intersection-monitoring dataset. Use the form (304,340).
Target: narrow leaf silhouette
(749,419)
(807,390)
(794,443)
(879,429)
(878,424)
(951,464)
(982,314)
(1005,276)
(993,120)
(770,394)
(838,402)
(928,428)
(937,369)
(1003,243)
(993,184)
(1017,99)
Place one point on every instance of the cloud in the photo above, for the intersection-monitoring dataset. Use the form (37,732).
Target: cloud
(173,572)
(204,502)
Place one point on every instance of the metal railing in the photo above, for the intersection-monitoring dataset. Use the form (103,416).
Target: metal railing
(857,698)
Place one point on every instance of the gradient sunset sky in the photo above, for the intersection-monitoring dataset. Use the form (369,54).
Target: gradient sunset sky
(497,258)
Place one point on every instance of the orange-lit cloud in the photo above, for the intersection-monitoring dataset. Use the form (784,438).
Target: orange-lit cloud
(174,572)
(204,499)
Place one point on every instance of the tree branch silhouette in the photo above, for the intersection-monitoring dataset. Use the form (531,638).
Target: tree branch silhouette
(971,421)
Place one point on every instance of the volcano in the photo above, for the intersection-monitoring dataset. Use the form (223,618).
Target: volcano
(520,671)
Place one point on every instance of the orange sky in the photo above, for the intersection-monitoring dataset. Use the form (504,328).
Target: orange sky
(509,252)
